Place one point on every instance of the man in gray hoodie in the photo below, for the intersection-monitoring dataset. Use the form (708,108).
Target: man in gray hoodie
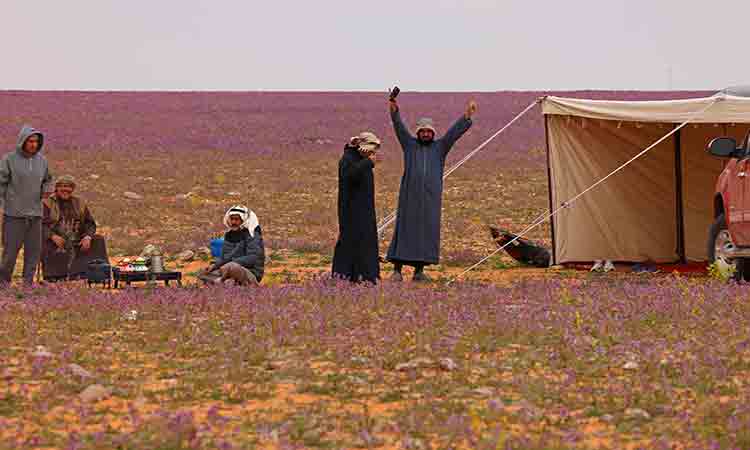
(24,178)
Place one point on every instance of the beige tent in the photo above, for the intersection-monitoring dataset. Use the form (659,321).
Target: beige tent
(657,208)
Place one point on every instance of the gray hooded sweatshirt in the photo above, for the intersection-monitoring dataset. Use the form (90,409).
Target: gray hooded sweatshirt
(23,179)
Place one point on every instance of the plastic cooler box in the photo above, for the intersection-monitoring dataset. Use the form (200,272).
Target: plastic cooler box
(215,246)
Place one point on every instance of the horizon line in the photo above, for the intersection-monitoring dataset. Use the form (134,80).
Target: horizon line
(355,91)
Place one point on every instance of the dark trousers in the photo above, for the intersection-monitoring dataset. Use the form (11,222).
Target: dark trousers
(20,232)
(398,264)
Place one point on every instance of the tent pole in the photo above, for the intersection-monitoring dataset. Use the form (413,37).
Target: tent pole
(679,200)
(549,190)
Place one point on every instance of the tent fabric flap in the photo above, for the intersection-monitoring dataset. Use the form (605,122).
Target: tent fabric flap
(631,217)
(728,109)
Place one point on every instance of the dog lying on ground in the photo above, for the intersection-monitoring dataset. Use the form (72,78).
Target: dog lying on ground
(522,250)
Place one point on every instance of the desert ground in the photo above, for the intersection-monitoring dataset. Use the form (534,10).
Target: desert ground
(506,357)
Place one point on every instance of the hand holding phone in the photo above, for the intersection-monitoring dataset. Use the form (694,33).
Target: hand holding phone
(394,93)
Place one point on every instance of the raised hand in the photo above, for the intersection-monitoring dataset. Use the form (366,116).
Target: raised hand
(471,108)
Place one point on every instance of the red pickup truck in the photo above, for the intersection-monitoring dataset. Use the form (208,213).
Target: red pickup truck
(729,236)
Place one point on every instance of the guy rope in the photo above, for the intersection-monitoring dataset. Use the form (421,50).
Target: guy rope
(567,204)
(387,220)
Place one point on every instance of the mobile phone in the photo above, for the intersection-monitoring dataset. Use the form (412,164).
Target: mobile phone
(394,92)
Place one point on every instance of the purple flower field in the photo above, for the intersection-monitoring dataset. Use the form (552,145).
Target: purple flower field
(524,359)
(561,363)
(185,153)
(263,124)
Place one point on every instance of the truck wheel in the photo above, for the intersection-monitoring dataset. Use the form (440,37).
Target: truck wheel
(719,245)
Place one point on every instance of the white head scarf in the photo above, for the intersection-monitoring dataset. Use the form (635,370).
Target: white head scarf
(249,219)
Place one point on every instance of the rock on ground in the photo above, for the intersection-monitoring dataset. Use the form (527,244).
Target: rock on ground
(637,413)
(416,363)
(448,364)
(94,393)
(79,371)
(132,195)
(186,255)
(41,352)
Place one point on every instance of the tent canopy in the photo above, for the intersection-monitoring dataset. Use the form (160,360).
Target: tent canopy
(658,208)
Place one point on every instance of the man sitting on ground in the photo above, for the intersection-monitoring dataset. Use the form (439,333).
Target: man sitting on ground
(69,234)
(243,256)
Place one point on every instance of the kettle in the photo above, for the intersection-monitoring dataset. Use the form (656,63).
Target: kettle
(157,263)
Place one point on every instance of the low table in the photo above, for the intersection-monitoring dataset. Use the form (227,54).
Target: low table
(128,277)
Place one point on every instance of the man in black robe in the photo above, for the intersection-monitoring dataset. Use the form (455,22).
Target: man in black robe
(356,256)
(416,240)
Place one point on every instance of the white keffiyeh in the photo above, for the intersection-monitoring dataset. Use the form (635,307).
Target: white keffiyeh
(249,219)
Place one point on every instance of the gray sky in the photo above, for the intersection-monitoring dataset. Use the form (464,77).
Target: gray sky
(437,45)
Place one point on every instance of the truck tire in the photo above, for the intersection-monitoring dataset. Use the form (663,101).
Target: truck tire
(718,232)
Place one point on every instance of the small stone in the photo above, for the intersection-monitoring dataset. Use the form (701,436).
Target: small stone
(448,364)
(132,195)
(186,256)
(79,371)
(273,365)
(94,176)
(361,360)
(358,380)
(131,315)
(404,367)
(637,413)
(483,392)
(422,362)
(94,393)
(233,194)
(630,365)
(416,363)
(608,418)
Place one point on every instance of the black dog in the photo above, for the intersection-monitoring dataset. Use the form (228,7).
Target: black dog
(522,250)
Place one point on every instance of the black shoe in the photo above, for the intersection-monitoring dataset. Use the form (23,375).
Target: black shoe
(422,277)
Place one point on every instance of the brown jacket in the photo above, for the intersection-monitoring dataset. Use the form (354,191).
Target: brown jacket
(80,225)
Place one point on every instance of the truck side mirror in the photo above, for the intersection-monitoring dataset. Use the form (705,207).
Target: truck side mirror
(724,147)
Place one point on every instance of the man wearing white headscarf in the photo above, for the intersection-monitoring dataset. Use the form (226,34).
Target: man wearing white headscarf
(356,255)
(243,255)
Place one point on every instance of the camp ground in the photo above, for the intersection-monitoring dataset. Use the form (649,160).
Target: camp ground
(632,181)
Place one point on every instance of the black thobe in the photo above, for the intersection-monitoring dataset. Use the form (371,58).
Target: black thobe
(356,254)
(417,235)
